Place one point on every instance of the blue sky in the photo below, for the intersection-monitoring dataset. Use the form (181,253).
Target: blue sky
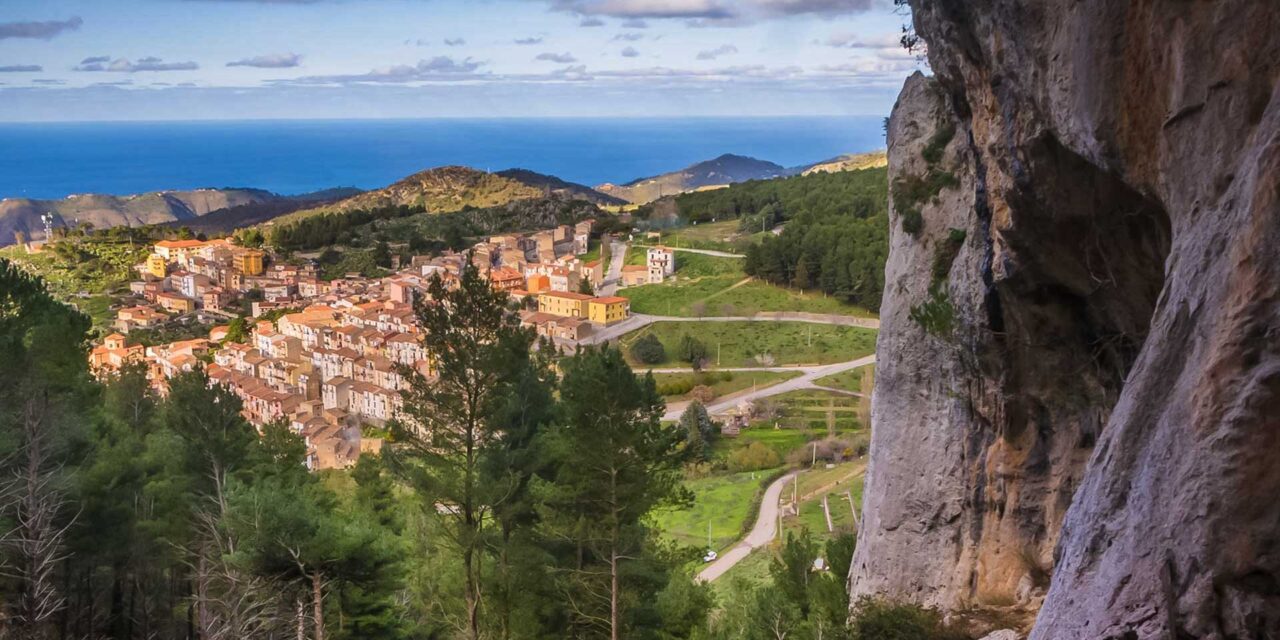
(236,59)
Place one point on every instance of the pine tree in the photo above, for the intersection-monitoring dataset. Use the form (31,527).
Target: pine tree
(612,461)
(452,424)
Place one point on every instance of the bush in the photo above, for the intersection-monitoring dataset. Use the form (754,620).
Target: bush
(692,350)
(827,450)
(883,620)
(753,457)
(935,315)
(702,393)
(675,388)
(649,350)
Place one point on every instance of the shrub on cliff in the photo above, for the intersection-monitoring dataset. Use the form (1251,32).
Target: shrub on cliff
(884,620)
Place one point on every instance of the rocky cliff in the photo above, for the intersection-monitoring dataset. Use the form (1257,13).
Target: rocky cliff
(1078,399)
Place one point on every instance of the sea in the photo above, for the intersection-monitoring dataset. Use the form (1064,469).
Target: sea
(50,161)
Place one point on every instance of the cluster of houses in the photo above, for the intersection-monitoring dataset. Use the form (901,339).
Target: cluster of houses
(211,279)
(329,357)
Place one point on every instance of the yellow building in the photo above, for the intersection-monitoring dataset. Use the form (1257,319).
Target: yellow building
(607,311)
(249,262)
(175,303)
(157,265)
(565,304)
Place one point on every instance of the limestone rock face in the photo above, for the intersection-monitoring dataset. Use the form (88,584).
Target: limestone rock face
(1078,395)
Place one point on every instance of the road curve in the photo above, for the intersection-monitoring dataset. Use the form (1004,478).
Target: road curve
(762,533)
(674,409)
(640,320)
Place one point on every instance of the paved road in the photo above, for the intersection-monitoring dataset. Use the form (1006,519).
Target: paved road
(674,409)
(764,531)
(617,255)
(640,320)
(779,369)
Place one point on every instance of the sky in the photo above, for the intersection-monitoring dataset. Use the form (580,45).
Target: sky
(87,60)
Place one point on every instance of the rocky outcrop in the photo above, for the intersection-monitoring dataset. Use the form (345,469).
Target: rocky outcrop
(1078,399)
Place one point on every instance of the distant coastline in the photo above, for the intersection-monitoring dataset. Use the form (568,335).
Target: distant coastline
(54,160)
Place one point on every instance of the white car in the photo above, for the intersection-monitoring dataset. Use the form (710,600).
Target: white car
(710,557)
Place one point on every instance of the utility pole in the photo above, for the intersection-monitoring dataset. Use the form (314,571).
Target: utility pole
(717,353)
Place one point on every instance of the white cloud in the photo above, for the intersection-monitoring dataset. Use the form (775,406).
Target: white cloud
(712,54)
(701,13)
(531,40)
(630,52)
(124,65)
(454,42)
(439,68)
(562,58)
(270,61)
(854,41)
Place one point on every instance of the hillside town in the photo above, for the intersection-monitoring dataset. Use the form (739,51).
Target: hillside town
(328,356)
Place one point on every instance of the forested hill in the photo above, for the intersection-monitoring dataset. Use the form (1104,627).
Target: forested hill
(454,188)
(835,230)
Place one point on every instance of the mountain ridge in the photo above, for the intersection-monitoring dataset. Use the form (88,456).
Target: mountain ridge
(722,170)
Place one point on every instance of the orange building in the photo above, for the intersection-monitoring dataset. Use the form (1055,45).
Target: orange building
(506,279)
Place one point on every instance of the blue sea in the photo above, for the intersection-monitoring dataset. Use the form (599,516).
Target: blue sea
(292,157)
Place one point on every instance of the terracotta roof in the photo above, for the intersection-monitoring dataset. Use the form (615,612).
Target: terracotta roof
(180,244)
(567,294)
(610,300)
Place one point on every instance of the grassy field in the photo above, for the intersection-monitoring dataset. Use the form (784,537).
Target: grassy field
(697,265)
(737,344)
(721,384)
(850,380)
(635,256)
(716,236)
(727,295)
(723,501)
(756,296)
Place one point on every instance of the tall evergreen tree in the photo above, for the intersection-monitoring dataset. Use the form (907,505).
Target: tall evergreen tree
(613,461)
(456,421)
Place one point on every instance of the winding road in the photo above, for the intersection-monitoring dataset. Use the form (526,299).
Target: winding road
(762,533)
(806,381)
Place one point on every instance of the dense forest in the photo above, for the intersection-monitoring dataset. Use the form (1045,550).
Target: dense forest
(835,236)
